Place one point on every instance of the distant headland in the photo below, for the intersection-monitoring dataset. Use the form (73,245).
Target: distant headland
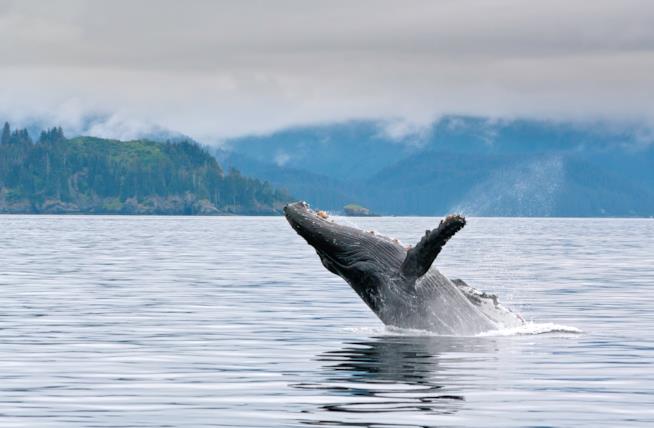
(88,175)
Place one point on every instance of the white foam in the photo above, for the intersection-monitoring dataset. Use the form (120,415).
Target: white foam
(527,329)
(532,328)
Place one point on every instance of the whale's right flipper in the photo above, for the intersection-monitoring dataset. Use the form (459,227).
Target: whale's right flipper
(420,258)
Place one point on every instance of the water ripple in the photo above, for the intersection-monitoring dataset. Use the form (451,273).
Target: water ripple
(205,322)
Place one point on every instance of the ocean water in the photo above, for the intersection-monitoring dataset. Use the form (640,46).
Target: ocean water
(212,322)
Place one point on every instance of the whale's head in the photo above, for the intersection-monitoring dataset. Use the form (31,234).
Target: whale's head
(365,260)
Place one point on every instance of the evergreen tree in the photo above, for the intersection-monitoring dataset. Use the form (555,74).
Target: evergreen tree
(6,133)
(52,135)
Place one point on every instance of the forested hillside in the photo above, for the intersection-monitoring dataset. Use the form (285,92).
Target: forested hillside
(93,175)
(476,166)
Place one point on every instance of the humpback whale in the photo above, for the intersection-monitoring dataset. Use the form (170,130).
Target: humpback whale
(401,286)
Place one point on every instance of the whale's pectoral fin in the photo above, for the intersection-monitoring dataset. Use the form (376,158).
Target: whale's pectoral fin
(489,306)
(420,258)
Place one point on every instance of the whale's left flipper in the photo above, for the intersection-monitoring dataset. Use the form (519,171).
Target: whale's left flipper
(489,306)
(420,258)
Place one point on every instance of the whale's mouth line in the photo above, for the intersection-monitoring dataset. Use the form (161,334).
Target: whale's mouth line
(323,255)
(343,266)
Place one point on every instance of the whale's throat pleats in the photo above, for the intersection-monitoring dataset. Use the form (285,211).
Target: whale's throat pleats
(420,258)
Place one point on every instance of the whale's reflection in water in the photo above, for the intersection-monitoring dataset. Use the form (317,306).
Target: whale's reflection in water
(376,380)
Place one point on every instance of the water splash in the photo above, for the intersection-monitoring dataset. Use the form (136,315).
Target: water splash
(528,329)
(532,328)
(526,189)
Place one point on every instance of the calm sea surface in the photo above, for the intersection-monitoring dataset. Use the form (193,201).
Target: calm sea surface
(206,322)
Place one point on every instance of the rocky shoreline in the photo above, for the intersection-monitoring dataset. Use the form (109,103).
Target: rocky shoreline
(152,205)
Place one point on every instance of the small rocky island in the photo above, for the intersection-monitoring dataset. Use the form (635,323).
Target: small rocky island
(355,210)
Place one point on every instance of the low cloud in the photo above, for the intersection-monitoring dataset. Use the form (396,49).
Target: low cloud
(406,131)
(215,69)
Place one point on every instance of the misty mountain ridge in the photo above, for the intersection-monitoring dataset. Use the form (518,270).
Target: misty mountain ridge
(472,165)
(113,126)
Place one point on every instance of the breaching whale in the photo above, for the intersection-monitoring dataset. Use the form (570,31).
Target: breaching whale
(401,286)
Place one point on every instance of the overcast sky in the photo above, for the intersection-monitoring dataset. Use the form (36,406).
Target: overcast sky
(213,69)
